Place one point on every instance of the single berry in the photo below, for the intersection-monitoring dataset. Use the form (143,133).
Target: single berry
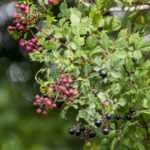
(103,73)
(59,104)
(28,23)
(77,132)
(58,82)
(82,128)
(38,44)
(23,18)
(62,76)
(33,40)
(104,104)
(28,48)
(34,16)
(92,134)
(66,92)
(128,116)
(44,95)
(15,22)
(10,28)
(44,112)
(51,1)
(131,110)
(15,15)
(17,5)
(22,7)
(69,80)
(97,123)
(38,110)
(71,131)
(95,93)
(34,50)
(21,28)
(64,80)
(67,74)
(108,116)
(117,116)
(105,131)
(75,93)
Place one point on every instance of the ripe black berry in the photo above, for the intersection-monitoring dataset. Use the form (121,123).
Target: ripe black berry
(97,123)
(59,104)
(71,131)
(117,116)
(131,110)
(92,134)
(108,116)
(128,116)
(105,131)
(82,128)
(44,95)
(103,73)
(95,93)
(77,132)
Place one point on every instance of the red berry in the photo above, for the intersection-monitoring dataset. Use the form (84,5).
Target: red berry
(35,103)
(18,25)
(28,48)
(21,28)
(70,98)
(62,76)
(70,81)
(58,82)
(33,40)
(10,28)
(34,16)
(38,44)
(38,110)
(22,7)
(42,51)
(67,74)
(27,11)
(64,80)
(62,89)
(30,44)
(51,1)
(21,44)
(61,96)
(28,23)
(15,22)
(67,92)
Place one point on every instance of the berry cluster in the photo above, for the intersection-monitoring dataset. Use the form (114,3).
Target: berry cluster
(62,92)
(21,18)
(31,45)
(99,123)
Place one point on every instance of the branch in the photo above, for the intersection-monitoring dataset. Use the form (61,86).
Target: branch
(130,9)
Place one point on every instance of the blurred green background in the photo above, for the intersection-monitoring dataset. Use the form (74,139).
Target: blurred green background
(20,127)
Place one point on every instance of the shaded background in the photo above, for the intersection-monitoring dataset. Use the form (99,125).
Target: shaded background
(20,127)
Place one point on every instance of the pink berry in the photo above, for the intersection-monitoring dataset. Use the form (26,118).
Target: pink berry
(27,11)
(44,112)
(10,28)
(15,15)
(21,44)
(28,48)
(22,7)
(58,82)
(70,81)
(45,99)
(28,23)
(70,98)
(15,22)
(38,100)
(67,74)
(71,91)
(62,76)
(48,103)
(64,80)
(62,89)
(27,8)
(34,50)
(42,51)
(52,40)
(21,28)
(37,96)
(35,103)
(75,93)
(33,40)
(38,110)
(30,44)
(54,105)
(67,92)
(51,1)
(34,16)
(23,18)
(38,44)
(17,5)
(18,25)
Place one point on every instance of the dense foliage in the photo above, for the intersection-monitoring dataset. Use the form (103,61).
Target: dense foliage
(95,63)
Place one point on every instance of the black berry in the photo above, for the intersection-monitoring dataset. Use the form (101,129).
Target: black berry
(131,110)
(71,131)
(44,95)
(59,104)
(105,131)
(95,93)
(92,134)
(77,132)
(108,116)
(82,128)
(103,73)
(97,123)
(128,116)
(117,116)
